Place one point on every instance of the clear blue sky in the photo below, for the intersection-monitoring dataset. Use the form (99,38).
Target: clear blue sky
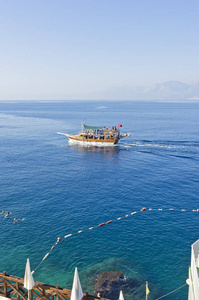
(95,49)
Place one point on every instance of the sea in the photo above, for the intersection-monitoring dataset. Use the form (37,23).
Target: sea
(56,189)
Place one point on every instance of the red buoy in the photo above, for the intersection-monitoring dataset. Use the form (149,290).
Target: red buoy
(109,221)
(102,224)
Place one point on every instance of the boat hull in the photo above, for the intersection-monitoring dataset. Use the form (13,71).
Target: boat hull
(74,140)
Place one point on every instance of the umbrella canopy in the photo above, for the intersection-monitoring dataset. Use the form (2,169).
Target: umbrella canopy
(76,293)
(121,297)
(28,279)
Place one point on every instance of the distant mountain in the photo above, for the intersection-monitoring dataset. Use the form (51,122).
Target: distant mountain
(173,90)
(166,91)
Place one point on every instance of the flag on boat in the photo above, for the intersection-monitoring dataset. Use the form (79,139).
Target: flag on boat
(119,125)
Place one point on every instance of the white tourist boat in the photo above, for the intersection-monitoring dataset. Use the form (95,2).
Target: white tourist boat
(97,135)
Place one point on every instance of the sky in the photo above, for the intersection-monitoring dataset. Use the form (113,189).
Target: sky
(99,49)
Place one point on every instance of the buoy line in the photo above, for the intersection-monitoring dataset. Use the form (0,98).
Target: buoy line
(171,292)
(144,209)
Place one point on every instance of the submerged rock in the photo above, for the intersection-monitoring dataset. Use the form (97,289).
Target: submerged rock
(109,284)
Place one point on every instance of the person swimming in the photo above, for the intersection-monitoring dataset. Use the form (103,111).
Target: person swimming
(8,213)
(2,212)
(15,220)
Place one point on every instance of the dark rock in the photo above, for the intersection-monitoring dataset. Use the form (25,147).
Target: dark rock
(108,284)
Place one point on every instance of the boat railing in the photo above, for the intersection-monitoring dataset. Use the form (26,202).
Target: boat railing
(102,132)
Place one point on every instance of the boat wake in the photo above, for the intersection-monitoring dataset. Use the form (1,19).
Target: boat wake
(165,144)
(185,149)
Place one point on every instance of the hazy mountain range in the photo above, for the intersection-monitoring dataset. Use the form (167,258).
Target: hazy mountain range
(166,91)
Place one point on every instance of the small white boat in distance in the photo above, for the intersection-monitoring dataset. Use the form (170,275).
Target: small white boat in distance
(97,135)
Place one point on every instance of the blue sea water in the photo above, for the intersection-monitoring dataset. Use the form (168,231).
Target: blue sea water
(60,189)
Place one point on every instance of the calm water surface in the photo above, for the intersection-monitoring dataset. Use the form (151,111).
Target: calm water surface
(60,189)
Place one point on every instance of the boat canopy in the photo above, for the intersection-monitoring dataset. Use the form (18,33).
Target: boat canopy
(93,127)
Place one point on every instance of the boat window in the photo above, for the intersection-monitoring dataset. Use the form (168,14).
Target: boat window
(101,137)
(90,136)
(112,136)
(96,137)
(107,136)
(86,137)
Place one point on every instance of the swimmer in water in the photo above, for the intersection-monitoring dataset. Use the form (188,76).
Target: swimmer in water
(2,212)
(15,220)
(8,213)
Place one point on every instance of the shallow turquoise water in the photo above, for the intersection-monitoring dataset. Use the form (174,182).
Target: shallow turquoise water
(60,189)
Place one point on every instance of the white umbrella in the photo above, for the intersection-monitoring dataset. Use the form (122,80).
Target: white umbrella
(121,297)
(28,279)
(76,293)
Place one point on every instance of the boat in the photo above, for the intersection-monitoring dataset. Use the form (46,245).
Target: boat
(97,135)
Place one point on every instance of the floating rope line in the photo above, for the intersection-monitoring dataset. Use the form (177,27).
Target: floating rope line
(106,223)
(171,292)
